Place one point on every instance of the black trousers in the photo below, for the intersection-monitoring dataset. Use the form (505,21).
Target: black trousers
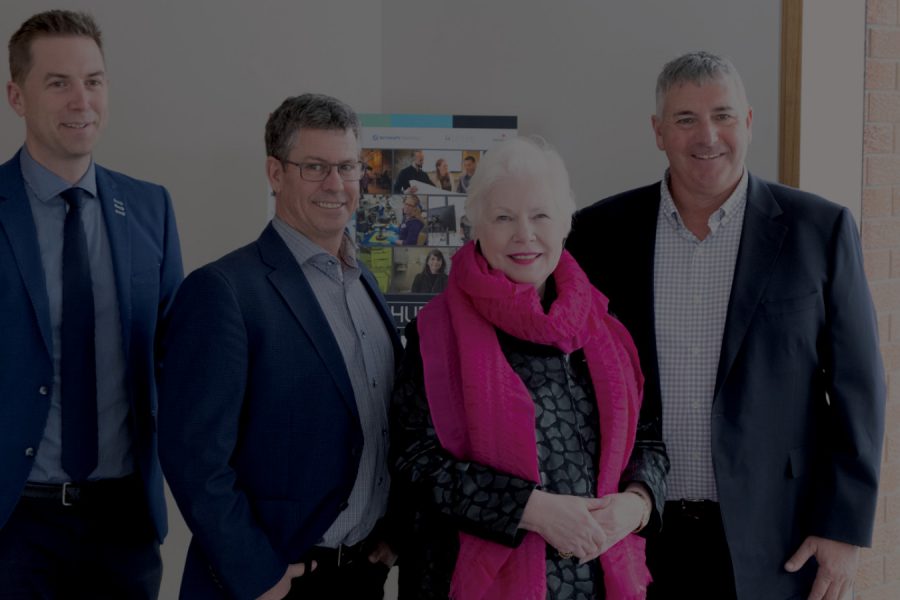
(359,580)
(689,557)
(102,547)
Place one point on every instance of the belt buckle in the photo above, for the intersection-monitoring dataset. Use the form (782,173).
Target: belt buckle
(692,509)
(685,507)
(65,488)
(346,554)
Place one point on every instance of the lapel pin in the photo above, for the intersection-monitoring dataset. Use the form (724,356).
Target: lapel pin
(119,207)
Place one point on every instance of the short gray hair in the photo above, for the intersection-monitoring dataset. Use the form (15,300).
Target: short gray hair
(696,67)
(529,157)
(308,111)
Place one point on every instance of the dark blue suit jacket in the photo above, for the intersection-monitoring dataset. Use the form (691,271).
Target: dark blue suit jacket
(147,267)
(798,413)
(260,436)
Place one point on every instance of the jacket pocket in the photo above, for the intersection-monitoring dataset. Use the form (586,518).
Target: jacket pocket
(798,460)
(786,306)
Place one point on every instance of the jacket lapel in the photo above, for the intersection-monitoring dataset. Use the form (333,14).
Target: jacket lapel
(288,279)
(17,223)
(641,282)
(645,247)
(383,310)
(760,245)
(115,217)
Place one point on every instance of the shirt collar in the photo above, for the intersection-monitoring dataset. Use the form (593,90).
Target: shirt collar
(305,250)
(47,185)
(732,205)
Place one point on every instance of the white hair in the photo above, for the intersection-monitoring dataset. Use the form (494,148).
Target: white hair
(523,158)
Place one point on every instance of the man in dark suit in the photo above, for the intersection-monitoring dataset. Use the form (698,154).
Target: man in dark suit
(407,178)
(750,308)
(469,165)
(89,262)
(277,373)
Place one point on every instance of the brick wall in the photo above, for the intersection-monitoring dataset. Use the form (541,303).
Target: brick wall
(879,570)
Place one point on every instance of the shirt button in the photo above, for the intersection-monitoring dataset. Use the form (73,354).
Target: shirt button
(696,298)
(29,452)
(362,333)
(695,351)
(43,390)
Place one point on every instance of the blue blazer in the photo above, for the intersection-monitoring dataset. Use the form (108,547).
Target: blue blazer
(147,268)
(798,412)
(260,436)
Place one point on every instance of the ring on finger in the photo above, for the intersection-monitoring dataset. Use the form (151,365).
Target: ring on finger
(566,554)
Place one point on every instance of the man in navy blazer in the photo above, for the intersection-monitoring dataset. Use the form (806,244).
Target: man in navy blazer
(62,534)
(749,305)
(276,377)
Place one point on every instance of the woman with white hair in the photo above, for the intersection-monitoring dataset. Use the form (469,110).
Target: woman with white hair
(516,409)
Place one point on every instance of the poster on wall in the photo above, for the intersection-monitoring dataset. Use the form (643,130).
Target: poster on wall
(411,215)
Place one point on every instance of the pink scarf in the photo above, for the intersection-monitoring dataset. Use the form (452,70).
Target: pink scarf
(483,412)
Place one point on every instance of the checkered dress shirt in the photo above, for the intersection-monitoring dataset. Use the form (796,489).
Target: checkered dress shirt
(692,284)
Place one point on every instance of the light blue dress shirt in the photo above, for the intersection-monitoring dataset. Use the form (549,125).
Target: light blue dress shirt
(49,211)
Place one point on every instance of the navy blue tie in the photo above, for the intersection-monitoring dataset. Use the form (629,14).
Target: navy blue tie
(78,371)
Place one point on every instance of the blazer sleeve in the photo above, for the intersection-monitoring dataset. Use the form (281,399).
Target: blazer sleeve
(171,270)
(649,465)
(202,387)
(475,498)
(854,381)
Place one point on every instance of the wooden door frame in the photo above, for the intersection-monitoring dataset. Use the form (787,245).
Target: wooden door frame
(790,92)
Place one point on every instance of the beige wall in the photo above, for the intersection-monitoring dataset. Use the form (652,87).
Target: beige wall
(831,111)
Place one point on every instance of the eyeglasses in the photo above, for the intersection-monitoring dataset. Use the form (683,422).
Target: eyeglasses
(317,171)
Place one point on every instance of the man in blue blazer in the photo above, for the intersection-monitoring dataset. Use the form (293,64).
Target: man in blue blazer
(277,372)
(89,262)
(749,305)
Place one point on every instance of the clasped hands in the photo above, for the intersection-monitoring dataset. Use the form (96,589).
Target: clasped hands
(583,527)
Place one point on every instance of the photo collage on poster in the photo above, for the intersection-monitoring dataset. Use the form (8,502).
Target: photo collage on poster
(411,216)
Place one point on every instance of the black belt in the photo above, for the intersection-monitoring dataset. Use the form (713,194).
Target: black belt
(340,556)
(695,510)
(72,494)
